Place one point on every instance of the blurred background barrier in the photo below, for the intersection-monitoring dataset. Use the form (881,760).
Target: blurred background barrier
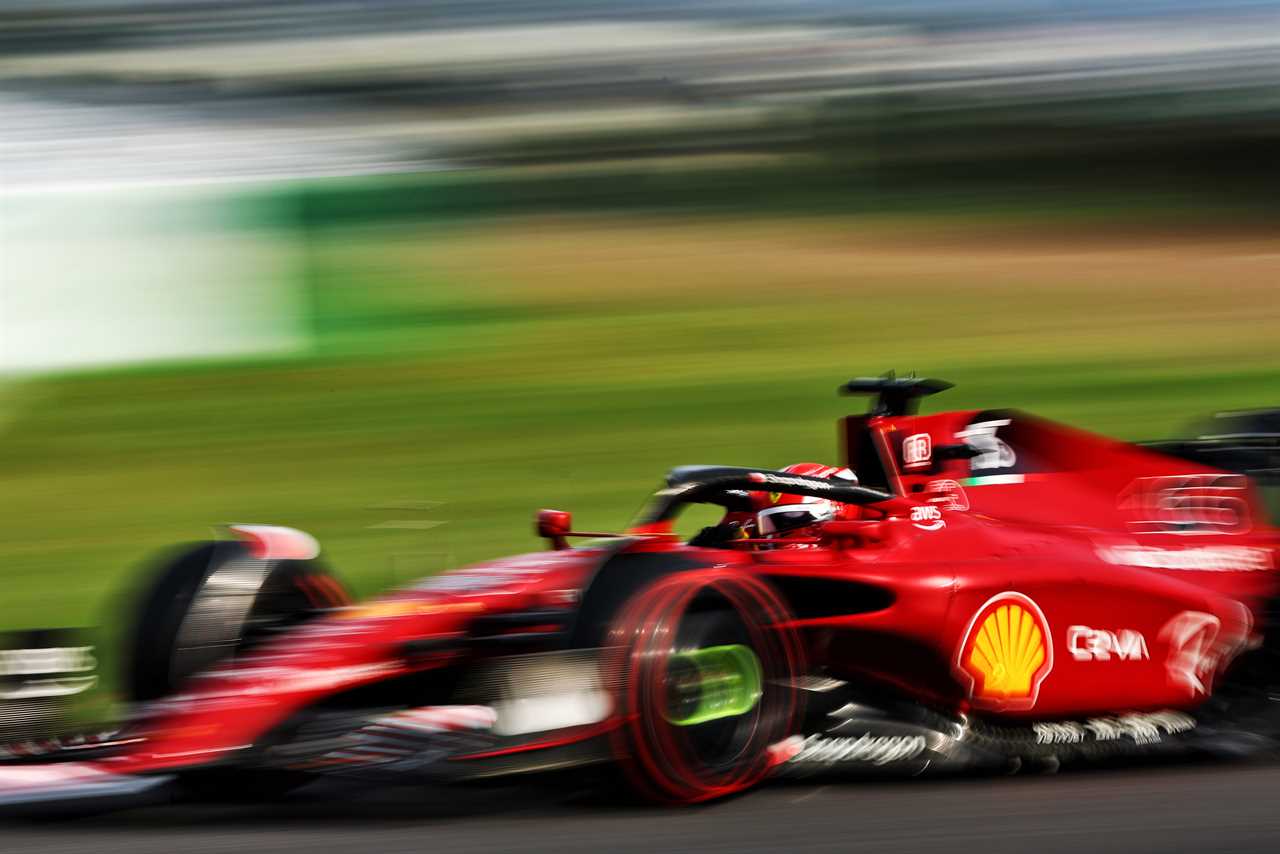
(100,276)
(44,677)
(397,273)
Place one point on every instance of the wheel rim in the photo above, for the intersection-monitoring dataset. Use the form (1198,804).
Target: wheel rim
(711,683)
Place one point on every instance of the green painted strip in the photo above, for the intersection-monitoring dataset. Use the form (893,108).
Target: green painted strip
(994,480)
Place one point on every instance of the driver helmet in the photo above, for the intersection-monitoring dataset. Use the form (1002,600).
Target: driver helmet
(781,515)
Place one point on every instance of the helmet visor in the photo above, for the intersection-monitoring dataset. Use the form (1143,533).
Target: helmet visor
(779,520)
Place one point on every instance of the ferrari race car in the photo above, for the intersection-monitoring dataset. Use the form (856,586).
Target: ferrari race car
(983,589)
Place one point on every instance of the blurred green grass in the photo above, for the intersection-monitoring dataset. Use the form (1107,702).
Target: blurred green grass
(467,375)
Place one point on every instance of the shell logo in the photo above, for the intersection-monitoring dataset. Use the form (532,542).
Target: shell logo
(1006,653)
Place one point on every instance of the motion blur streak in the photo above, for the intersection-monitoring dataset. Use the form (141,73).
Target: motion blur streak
(396,272)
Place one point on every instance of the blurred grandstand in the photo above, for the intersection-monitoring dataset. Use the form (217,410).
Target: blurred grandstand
(94,90)
(566,105)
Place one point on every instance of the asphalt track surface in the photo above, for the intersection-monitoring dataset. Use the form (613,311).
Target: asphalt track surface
(1169,808)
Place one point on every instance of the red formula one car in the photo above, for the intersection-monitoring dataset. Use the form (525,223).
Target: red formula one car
(975,589)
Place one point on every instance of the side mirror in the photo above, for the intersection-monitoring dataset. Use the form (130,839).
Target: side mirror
(555,525)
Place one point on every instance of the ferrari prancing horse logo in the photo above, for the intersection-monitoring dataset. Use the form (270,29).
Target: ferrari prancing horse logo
(1006,653)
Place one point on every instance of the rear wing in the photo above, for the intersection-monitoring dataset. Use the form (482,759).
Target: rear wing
(1247,443)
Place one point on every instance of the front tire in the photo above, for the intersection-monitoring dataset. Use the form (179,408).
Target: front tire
(208,602)
(703,666)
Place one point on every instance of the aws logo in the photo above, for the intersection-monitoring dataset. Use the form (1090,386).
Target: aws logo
(1006,653)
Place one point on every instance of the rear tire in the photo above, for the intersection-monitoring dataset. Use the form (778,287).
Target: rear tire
(1247,697)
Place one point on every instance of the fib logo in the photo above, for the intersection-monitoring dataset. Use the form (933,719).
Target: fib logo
(1006,653)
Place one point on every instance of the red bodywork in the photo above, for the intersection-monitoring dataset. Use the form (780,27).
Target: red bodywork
(1025,570)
